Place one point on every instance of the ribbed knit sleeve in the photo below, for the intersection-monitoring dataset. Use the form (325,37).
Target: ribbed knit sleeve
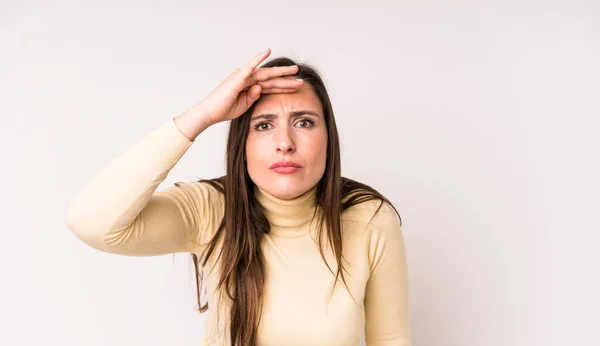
(119,210)
(386,296)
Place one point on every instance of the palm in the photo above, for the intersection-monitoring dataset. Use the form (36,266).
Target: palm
(243,87)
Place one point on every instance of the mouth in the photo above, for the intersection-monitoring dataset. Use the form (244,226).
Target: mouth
(285,164)
(285,167)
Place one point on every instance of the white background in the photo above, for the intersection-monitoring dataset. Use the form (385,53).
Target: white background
(479,120)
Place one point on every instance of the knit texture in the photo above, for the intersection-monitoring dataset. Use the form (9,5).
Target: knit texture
(120,211)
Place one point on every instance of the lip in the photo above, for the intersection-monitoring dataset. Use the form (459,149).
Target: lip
(285,164)
(285,170)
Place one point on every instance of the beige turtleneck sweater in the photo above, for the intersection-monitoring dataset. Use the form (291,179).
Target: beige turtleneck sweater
(120,211)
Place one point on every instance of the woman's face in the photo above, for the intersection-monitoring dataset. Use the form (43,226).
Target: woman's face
(282,128)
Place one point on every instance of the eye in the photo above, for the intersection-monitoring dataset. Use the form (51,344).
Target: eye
(307,122)
(260,126)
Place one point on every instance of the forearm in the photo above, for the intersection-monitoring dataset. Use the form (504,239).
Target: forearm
(193,121)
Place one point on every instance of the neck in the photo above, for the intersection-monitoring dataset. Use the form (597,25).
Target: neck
(288,217)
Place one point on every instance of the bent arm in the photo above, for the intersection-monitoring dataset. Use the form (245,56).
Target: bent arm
(119,211)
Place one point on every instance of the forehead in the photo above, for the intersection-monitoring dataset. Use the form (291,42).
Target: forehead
(303,98)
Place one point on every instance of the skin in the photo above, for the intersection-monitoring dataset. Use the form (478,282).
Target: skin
(287,138)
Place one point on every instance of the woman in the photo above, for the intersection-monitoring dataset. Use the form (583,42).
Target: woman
(290,252)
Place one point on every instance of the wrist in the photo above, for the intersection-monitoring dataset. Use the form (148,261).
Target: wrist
(193,121)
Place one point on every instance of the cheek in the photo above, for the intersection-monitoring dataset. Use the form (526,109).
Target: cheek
(252,152)
(317,149)
(257,154)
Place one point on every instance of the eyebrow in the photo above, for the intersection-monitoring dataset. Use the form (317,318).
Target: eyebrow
(294,114)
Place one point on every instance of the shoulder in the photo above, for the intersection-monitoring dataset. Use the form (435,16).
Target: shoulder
(373,214)
(203,197)
(377,223)
(363,203)
(202,201)
(203,191)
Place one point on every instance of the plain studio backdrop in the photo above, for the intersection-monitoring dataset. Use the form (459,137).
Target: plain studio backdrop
(479,120)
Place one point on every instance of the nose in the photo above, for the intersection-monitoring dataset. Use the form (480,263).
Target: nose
(284,140)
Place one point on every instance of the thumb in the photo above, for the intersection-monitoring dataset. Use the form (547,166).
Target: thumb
(254,92)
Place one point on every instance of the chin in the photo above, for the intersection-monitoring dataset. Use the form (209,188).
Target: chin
(285,188)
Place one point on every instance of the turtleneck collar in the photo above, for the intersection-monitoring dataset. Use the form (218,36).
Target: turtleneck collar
(288,216)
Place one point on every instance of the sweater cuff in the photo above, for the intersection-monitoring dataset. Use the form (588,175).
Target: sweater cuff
(168,143)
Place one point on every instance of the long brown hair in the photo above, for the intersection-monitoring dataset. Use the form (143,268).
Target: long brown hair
(242,267)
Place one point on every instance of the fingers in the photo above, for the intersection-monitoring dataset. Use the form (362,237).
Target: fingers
(253,64)
(278,91)
(282,83)
(270,78)
(266,73)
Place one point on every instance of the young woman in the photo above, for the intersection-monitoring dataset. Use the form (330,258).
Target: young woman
(290,252)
